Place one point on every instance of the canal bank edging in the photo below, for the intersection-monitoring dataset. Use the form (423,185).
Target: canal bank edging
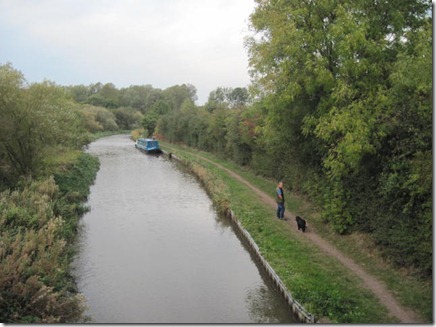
(300,312)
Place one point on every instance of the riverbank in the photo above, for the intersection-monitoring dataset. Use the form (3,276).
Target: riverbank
(319,282)
(38,224)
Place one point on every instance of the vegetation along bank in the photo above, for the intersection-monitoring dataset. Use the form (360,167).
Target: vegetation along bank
(38,223)
(320,283)
(45,179)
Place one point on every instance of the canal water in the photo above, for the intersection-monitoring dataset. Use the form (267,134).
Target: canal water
(153,249)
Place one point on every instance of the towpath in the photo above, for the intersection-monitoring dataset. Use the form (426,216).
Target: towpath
(369,281)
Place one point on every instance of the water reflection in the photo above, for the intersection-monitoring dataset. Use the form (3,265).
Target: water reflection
(260,303)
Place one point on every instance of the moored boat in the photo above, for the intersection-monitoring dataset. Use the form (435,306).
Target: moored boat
(148,145)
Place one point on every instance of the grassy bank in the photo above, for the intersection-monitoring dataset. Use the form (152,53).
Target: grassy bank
(316,281)
(38,224)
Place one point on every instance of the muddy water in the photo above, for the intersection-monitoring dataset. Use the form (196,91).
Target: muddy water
(153,250)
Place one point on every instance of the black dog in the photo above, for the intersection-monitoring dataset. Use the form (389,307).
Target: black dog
(301,223)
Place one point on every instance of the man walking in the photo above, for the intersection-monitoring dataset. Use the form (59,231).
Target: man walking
(280,199)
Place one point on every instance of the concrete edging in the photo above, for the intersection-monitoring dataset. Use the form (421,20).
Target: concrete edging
(302,314)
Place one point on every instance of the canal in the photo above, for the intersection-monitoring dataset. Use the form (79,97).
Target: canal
(153,250)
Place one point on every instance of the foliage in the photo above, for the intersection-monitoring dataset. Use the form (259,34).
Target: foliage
(406,180)
(176,95)
(127,118)
(346,88)
(32,120)
(41,132)
(136,134)
(151,117)
(97,119)
(106,108)
(76,178)
(138,97)
(35,283)
(226,97)
(343,112)
(98,95)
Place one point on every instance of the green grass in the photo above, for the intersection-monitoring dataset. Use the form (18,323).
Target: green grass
(409,290)
(322,285)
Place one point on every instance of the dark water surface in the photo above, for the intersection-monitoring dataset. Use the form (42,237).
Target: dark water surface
(153,249)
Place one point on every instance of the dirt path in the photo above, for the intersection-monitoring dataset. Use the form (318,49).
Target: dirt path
(370,282)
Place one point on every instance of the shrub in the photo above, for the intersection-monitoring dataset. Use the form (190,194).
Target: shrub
(38,223)
(35,285)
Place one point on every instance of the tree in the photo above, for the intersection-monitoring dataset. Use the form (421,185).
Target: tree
(328,63)
(104,96)
(346,87)
(178,94)
(149,122)
(239,143)
(406,177)
(33,118)
(11,100)
(227,97)
(97,119)
(238,97)
(79,93)
(151,117)
(127,118)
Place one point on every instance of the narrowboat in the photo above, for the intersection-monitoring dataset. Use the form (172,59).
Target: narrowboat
(148,145)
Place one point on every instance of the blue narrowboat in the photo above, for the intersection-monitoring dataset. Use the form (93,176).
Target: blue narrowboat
(148,145)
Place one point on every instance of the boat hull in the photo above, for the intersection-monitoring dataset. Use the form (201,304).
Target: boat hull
(148,146)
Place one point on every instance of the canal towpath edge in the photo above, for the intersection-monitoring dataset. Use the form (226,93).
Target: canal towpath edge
(370,282)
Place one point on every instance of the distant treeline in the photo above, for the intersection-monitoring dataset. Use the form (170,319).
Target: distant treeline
(340,109)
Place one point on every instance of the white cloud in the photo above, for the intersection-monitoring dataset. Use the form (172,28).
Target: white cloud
(160,42)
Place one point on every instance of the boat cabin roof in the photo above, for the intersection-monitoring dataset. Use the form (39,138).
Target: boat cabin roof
(147,140)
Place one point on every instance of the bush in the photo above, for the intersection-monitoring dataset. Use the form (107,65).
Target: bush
(38,224)
(75,182)
(35,285)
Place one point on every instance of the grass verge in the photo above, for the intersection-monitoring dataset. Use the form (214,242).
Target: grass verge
(317,282)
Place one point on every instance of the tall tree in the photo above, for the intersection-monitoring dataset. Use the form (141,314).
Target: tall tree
(33,118)
(326,67)
(106,95)
(136,96)
(227,97)
(177,94)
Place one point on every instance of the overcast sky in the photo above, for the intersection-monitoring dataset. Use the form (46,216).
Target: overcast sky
(128,42)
